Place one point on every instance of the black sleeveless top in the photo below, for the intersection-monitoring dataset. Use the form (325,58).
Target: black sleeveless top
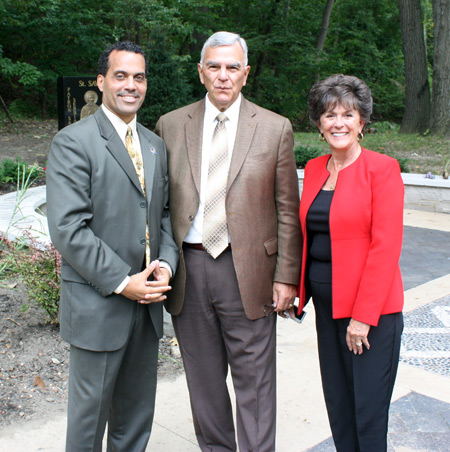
(319,242)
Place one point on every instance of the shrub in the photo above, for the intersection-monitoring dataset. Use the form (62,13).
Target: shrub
(14,170)
(305,153)
(403,161)
(20,108)
(384,126)
(39,268)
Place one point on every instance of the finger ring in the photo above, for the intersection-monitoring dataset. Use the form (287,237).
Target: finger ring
(358,344)
(291,305)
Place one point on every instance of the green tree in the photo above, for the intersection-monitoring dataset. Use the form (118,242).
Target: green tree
(365,41)
(17,73)
(65,37)
(416,116)
(440,104)
(168,88)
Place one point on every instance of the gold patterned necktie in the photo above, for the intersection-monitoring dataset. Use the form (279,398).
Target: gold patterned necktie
(139,167)
(215,230)
(135,157)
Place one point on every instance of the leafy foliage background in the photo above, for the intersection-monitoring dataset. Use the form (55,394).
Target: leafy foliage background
(42,39)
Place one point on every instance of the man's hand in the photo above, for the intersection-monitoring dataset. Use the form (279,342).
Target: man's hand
(283,296)
(145,292)
(160,284)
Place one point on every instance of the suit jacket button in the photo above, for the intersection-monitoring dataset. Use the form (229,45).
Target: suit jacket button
(142,241)
(143,204)
(191,217)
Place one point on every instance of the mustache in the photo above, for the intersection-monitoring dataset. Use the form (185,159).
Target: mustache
(127,93)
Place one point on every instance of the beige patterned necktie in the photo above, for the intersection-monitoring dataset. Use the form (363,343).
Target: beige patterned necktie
(139,167)
(135,157)
(215,230)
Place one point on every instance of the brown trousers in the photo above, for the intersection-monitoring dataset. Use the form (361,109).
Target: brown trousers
(214,333)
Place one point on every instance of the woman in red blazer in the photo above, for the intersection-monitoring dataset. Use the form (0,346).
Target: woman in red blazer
(351,213)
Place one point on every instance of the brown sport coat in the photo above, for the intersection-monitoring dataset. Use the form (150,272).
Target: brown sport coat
(262,199)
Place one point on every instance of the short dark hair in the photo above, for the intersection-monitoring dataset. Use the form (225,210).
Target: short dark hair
(341,89)
(127,46)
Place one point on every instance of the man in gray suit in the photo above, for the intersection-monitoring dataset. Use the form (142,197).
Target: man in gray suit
(224,297)
(107,211)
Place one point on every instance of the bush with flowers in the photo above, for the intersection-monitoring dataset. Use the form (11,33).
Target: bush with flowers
(39,268)
(36,264)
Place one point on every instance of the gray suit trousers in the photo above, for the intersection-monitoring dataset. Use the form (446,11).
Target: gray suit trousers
(117,388)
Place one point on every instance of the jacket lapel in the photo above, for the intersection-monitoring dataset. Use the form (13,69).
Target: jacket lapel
(194,136)
(116,147)
(149,155)
(244,136)
(317,175)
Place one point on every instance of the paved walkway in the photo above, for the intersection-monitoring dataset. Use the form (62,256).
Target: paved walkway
(420,412)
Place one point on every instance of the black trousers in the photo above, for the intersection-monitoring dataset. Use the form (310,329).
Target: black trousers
(357,388)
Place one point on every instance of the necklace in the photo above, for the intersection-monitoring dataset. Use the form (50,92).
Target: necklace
(332,178)
(334,172)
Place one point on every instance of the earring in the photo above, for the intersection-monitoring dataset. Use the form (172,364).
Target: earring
(321,137)
(360,136)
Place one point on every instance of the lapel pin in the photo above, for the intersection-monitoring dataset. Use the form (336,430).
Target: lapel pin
(153,151)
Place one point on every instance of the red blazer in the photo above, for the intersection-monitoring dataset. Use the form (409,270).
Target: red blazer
(366,229)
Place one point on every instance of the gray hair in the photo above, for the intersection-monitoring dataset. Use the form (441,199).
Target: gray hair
(224,38)
(341,89)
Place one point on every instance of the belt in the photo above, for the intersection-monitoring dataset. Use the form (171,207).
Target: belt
(200,247)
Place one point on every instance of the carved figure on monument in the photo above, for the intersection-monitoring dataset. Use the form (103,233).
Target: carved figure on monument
(90,97)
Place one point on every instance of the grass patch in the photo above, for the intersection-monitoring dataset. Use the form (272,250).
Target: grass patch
(418,153)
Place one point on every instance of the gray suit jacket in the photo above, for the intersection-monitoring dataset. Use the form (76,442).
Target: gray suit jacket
(97,215)
(262,199)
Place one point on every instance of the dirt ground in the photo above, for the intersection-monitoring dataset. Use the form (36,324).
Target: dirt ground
(34,361)
(30,140)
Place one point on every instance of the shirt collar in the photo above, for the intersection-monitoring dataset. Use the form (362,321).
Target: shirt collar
(232,111)
(119,125)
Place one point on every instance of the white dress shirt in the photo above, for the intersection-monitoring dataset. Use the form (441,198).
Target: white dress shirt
(195,233)
(121,128)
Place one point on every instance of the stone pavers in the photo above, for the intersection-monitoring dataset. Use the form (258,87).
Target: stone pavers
(420,423)
(425,255)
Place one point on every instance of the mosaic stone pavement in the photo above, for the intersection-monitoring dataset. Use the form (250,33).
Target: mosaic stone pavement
(426,337)
(416,423)
(419,423)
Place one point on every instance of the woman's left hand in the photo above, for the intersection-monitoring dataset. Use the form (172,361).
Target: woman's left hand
(357,333)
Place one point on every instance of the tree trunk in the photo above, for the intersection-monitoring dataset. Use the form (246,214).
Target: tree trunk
(323,32)
(440,106)
(262,54)
(416,117)
(324,26)
(6,109)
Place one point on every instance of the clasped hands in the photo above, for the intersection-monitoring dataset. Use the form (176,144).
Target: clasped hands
(144,291)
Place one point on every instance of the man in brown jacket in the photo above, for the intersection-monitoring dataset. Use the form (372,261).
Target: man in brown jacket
(234,208)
